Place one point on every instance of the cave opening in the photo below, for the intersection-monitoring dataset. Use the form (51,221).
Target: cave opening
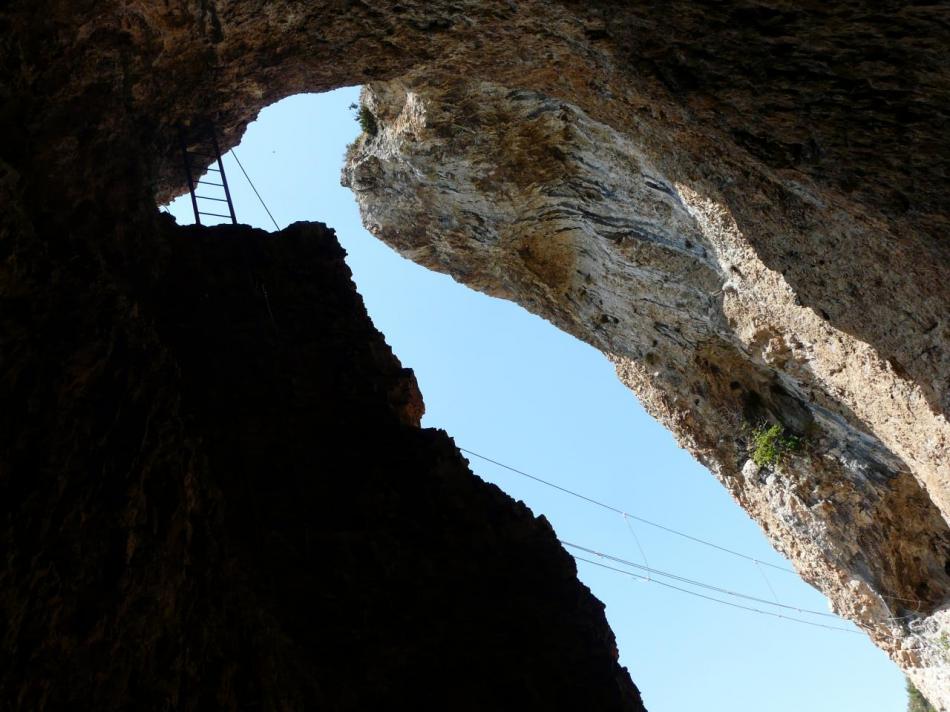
(508,384)
(168,459)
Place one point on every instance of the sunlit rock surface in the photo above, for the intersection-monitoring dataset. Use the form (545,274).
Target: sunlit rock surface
(526,197)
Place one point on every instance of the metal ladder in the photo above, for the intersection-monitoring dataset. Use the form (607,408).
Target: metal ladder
(201,143)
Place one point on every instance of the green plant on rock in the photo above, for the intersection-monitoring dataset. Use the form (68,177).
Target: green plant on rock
(916,702)
(770,443)
(944,642)
(367,121)
(365,118)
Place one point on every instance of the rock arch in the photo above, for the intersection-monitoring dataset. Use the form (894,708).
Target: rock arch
(799,153)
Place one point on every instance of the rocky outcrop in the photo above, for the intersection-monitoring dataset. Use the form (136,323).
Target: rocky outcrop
(742,203)
(220,498)
(527,197)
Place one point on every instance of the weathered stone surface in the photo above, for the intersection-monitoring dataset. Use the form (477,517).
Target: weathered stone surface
(526,197)
(778,222)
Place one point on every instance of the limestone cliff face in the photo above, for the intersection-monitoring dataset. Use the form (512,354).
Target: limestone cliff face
(527,197)
(743,203)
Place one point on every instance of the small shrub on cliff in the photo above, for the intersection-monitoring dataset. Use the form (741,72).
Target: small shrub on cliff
(770,443)
(366,119)
(916,702)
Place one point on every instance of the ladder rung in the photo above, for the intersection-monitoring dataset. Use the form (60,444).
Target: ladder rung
(205,182)
(209,168)
(208,197)
(217,215)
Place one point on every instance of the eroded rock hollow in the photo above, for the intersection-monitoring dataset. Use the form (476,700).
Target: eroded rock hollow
(743,204)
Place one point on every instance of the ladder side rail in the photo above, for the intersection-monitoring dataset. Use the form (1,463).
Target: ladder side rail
(188,173)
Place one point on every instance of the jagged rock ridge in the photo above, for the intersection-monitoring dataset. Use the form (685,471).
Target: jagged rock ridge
(239,509)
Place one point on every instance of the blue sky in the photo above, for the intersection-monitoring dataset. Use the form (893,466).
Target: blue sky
(509,385)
